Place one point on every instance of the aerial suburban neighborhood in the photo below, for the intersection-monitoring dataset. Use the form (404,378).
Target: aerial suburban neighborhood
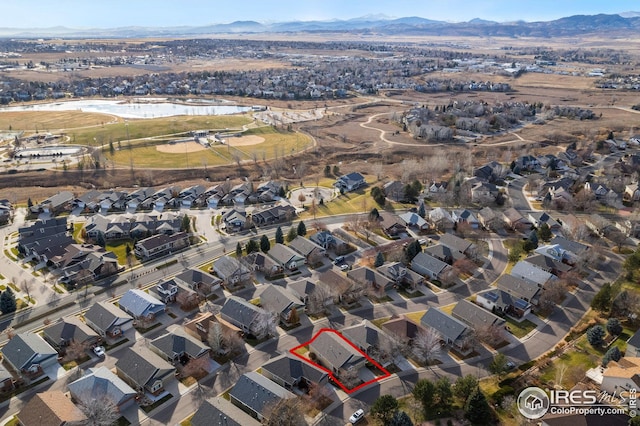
(366,221)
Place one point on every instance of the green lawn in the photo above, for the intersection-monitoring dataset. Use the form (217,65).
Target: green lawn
(520,329)
(415,316)
(379,321)
(119,248)
(77,231)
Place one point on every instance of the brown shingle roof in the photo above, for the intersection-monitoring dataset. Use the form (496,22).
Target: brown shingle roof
(50,408)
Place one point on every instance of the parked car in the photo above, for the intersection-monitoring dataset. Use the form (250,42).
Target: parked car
(357,416)
(99,350)
(338,260)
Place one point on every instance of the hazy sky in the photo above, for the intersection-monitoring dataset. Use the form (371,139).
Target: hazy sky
(115,13)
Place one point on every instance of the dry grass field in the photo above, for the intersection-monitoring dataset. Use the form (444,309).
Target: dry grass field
(52,121)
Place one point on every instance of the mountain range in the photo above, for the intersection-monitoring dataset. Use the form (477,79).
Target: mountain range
(577,25)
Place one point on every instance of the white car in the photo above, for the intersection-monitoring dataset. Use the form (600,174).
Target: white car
(344,267)
(99,350)
(357,416)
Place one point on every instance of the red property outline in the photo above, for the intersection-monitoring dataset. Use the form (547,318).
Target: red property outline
(329,372)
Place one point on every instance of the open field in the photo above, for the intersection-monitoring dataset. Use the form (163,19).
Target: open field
(157,154)
(45,121)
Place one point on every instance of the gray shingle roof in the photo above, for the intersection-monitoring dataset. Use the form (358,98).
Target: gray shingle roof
(196,276)
(101,382)
(304,246)
(474,315)
(364,335)
(139,303)
(105,314)
(445,324)
(69,329)
(366,275)
(634,340)
(22,348)
(518,287)
(178,342)
(257,392)
(301,288)
(290,369)
(227,266)
(142,365)
(455,243)
(277,299)
(334,349)
(219,411)
(283,254)
(427,262)
(241,311)
(527,271)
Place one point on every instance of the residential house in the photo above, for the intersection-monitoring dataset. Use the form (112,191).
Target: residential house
(201,282)
(83,263)
(269,191)
(633,345)
(336,354)
(452,331)
(231,271)
(631,192)
(254,394)
(569,245)
(68,330)
(527,162)
(483,192)
(339,285)
(159,245)
(527,271)
(465,217)
(143,370)
(557,253)
(178,346)
(311,251)
(515,220)
(538,218)
(392,225)
(429,266)
(548,264)
(167,290)
(327,241)
(51,408)
(42,230)
(350,182)
(7,382)
(301,289)
(141,305)
(6,211)
(291,372)
(100,383)
(369,339)
(56,204)
(272,215)
(519,288)
(489,219)
(457,244)
(501,302)
(402,328)
(219,411)
(475,316)
(491,172)
(108,320)
(280,301)
(287,258)
(369,278)
(621,376)
(188,197)
(29,354)
(199,326)
(245,316)
(438,187)
(260,262)
(234,220)
(401,275)
(141,225)
(413,220)
(440,219)
(444,253)
(394,190)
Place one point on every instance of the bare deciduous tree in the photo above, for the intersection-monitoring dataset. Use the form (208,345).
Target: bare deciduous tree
(427,344)
(235,343)
(286,412)
(99,411)
(75,350)
(200,394)
(215,338)
(266,323)
(492,334)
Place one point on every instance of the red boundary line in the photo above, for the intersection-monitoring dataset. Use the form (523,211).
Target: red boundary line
(329,372)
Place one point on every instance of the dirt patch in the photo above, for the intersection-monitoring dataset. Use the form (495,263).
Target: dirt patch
(181,147)
(245,140)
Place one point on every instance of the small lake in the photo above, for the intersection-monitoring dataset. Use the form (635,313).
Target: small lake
(132,109)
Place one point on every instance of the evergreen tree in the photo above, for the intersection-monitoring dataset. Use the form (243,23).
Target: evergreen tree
(400,418)
(544,232)
(185,226)
(421,211)
(238,250)
(595,336)
(614,327)
(477,409)
(602,300)
(327,170)
(425,392)
(384,408)
(613,354)
(374,214)
(265,244)
(252,246)
(292,234)
(412,250)
(379,260)
(444,392)
(463,386)
(279,236)
(281,192)
(29,203)
(302,229)
(8,301)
